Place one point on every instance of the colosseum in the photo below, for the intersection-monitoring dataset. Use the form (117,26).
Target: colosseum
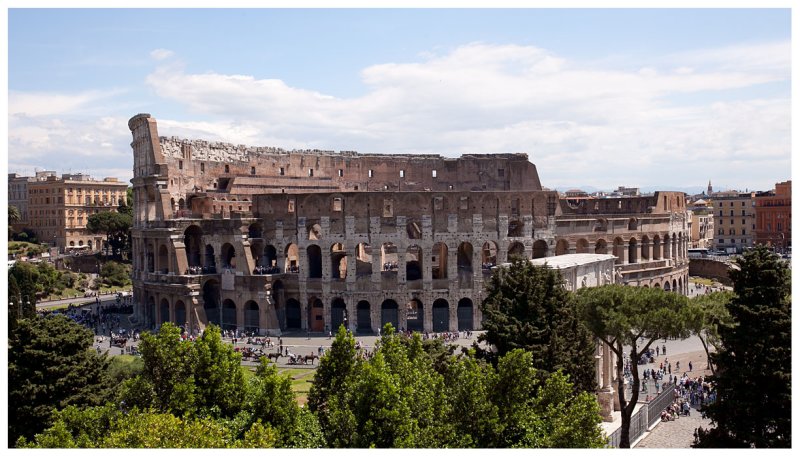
(273,241)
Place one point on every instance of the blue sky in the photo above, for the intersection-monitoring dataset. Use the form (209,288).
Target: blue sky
(601,97)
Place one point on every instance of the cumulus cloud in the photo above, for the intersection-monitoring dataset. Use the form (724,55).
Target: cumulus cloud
(161,54)
(668,121)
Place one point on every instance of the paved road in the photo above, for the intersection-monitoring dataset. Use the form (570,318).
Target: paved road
(104,299)
(675,434)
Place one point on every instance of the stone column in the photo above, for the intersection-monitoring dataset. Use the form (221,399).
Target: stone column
(172,313)
(240,316)
(427,317)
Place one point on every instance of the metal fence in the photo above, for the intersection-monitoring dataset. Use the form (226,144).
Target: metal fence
(644,418)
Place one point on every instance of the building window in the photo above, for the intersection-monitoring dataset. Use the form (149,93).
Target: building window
(282,171)
(310,172)
(744,232)
(433,173)
(291,206)
(341,172)
(337,204)
(402,173)
(501,172)
(227,168)
(252,170)
(369,173)
(180,165)
(202,168)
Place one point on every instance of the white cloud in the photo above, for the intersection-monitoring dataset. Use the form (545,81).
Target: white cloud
(161,54)
(667,121)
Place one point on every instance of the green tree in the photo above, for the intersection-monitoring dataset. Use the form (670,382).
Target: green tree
(116,226)
(13,218)
(219,381)
(108,427)
(271,401)
(115,274)
(26,278)
(704,316)
(470,386)
(167,382)
(528,308)
(326,398)
(51,365)
(622,315)
(753,379)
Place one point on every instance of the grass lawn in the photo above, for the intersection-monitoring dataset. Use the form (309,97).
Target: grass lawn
(703,281)
(301,380)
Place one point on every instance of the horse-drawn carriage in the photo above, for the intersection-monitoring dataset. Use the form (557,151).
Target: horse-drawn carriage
(120,341)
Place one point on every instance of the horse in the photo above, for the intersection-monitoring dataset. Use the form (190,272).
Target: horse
(274,355)
(311,357)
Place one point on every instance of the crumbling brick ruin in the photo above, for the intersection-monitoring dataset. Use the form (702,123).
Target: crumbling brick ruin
(269,240)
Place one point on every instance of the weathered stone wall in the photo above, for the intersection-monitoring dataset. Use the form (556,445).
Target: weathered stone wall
(712,269)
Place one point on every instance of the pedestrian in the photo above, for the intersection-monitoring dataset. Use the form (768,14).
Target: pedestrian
(664,349)
(669,368)
(690,366)
(656,351)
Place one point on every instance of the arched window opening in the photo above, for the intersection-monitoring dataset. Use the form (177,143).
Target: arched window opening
(413,263)
(364,259)
(314,254)
(516,228)
(439,261)
(464,314)
(338,261)
(228,256)
(539,249)
(516,249)
(414,315)
(562,247)
(441,315)
(192,239)
(292,262)
(488,256)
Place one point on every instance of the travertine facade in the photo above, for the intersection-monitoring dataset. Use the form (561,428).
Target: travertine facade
(269,240)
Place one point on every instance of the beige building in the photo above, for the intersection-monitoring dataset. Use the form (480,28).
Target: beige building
(734,220)
(59,208)
(18,196)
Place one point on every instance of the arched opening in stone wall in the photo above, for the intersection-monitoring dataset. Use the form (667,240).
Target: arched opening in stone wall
(293,314)
(666,285)
(193,240)
(562,247)
(251,323)
(619,250)
(439,261)
(582,246)
(464,264)
(389,257)
(338,308)
(151,310)
(279,302)
(539,249)
(413,231)
(414,315)
(413,263)
(516,249)
(338,261)
(363,323)
(680,285)
(601,247)
(633,224)
(314,254)
(674,286)
(316,315)
(674,247)
(441,315)
(292,264)
(257,251)
(516,228)
(656,247)
(657,285)
(488,256)
(228,256)
(633,251)
(228,314)
(271,258)
(163,259)
(389,313)
(209,266)
(464,313)
(180,315)
(314,232)
(164,310)
(181,204)
(645,248)
(211,302)
(255,230)
(364,259)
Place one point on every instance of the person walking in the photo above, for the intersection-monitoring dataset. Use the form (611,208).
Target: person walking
(690,366)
